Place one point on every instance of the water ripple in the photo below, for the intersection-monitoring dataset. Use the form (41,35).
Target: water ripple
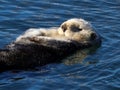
(97,71)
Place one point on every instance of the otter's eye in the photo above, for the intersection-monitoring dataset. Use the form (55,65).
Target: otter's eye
(75,28)
(80,29)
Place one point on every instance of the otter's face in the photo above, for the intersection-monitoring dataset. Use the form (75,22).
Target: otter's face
(78,30)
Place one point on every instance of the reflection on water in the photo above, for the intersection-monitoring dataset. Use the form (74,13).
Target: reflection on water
(79,57)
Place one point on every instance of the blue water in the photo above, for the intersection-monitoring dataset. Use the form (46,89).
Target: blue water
(97,71)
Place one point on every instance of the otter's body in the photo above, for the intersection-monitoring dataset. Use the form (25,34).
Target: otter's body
(24,56)
(37,47)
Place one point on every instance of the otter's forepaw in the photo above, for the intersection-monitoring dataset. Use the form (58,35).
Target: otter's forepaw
(34,39)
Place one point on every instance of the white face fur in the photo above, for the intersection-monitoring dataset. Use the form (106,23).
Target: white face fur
(72,29)
(77,29)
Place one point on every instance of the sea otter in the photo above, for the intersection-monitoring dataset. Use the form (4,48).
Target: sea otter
(37,47)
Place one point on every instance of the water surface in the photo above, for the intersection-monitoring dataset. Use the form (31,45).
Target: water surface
(97,71)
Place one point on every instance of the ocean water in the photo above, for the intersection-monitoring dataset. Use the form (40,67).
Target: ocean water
(97,71)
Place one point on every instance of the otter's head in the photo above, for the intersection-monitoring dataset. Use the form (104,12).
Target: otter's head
(78,30)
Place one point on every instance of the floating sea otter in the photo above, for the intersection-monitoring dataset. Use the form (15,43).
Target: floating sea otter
(37,47)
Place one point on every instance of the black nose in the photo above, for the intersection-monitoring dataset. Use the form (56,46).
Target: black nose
(93,36)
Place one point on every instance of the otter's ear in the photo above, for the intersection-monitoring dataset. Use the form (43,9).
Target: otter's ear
(64,27)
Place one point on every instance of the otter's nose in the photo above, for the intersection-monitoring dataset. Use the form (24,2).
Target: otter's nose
(93,36)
